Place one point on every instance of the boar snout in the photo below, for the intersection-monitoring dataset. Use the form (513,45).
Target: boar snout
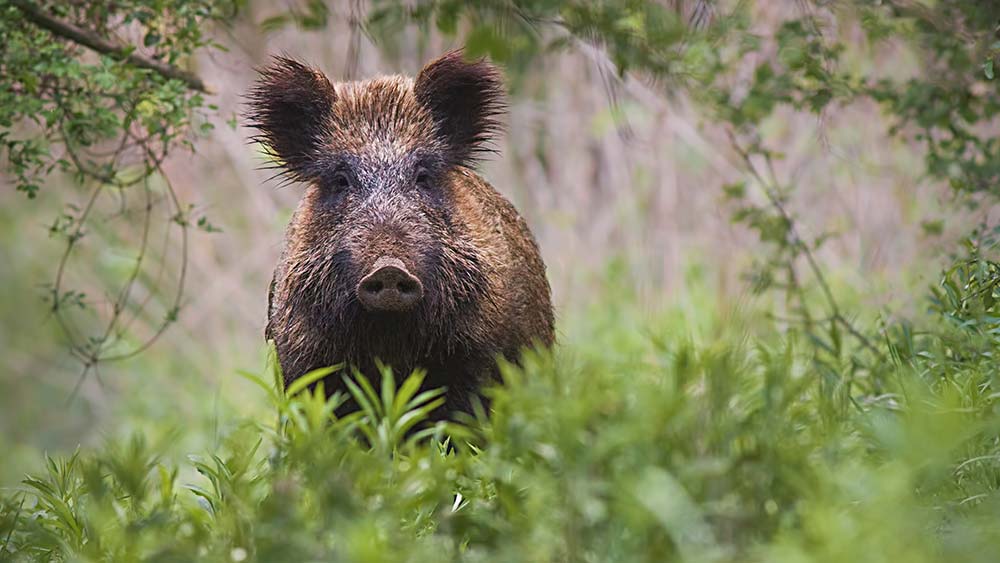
(389,287)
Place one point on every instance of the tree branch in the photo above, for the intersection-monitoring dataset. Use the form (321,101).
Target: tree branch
(91,40)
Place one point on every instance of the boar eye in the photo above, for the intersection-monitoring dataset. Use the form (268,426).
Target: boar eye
(341,181)
(423,179)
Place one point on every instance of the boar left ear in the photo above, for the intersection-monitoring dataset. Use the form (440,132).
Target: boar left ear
(466,99)
(291,105)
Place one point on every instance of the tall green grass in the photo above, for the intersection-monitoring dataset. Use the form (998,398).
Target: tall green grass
(691,434)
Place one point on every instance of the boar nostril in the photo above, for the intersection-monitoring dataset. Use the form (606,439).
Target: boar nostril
(373,286)
(389,287)
(407,286)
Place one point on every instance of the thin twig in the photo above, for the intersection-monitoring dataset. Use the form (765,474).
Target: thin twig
(71,241)
(87,364)
(91,355)
(775,200)
(92,41)
(182,277)
(119,304)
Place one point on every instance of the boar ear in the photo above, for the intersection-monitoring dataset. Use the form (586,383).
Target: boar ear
(290,105)
(466,100)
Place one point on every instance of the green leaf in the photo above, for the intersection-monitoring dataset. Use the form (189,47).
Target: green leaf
(485,40)
(256,380)
(296,387)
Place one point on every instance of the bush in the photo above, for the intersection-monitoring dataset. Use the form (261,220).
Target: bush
(634,441)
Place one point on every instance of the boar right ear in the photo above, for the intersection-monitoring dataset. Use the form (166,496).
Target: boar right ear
(465,99)
(291,105)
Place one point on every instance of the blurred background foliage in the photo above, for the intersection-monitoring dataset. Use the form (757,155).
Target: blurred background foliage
(771,233)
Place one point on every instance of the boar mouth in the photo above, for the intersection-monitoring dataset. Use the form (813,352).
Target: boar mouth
(389,287)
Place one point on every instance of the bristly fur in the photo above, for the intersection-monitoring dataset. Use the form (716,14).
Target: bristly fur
(387,162)
(290,106)
(466,99)
(453,106)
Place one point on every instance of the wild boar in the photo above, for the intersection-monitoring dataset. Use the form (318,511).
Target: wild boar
(398,251)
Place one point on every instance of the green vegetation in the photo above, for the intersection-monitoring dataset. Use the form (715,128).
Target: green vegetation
(802,424)
(75,100)
(644,438)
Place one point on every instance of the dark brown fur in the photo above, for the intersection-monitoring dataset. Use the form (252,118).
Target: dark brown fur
(388,167)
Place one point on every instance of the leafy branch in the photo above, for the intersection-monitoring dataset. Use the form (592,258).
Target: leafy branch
(108,123)
(770,187)
(103,46)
